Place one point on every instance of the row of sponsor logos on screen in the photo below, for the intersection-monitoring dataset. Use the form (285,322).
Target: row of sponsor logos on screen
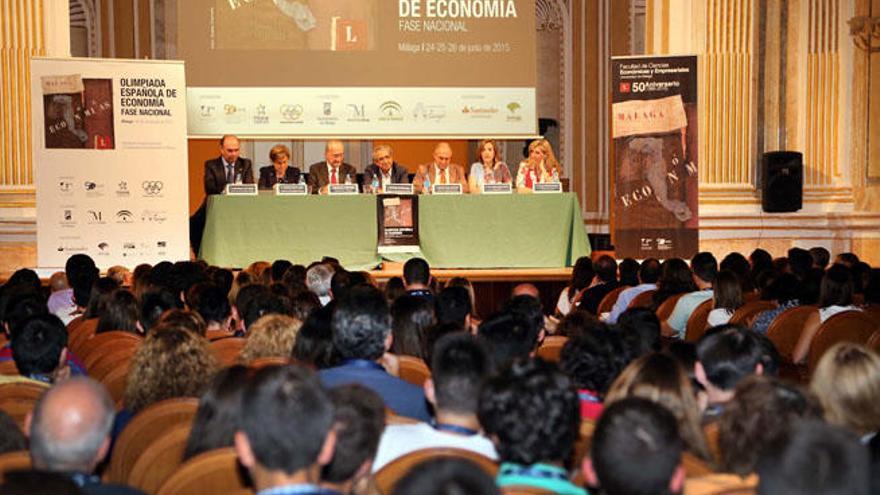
(68,186)
(108,248)
(72,217)
(331,112)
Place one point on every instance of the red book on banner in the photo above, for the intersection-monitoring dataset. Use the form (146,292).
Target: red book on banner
(348,34)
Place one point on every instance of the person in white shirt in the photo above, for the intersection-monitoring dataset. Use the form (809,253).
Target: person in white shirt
(459,366)
(384,170)
(728,298)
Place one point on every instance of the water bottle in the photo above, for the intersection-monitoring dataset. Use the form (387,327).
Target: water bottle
(238,178)
(427,185)
(348,178)
(374,186)
(555,175)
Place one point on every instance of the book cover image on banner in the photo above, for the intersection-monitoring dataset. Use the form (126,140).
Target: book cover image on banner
(356,68)
(110,160)
(654,132)
(397,217)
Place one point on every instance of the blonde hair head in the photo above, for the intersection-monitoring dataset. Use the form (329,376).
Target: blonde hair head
(272,335)
(847,383)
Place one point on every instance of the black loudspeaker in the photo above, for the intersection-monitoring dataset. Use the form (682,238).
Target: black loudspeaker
(782,173)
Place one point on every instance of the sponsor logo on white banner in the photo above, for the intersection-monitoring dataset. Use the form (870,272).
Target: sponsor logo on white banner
(152,188)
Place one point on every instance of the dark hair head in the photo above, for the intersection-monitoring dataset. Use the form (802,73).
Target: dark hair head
(37,345)
(393,289)
(359,417)
(416,271)
(361,323)
(286,417)
(738,264)
(729,353)
(18,303)
(279,268)
(640,328)
(629,272)
(783,287)
(314,341)
(837,287)
(675,277)
(577,322)
(761,412)
(221,277)
(727,291)
(446,476)
(606,268)
(453,305)
(153,303)
(533,411)
(185,274)
(210,301)
(218,416)
(98,296)
(25,277)
(263,303)
(302,303)
(507,336)
(800,260)
(410,318)
(872,288)
(649,271)
(760,260)
(433,334)
(81,275)
(821,257)
(581,275)
(121,312)
(815,458)
(847,259)
(592,360)
(459,366)
(636,447)
(704,266)
(529,309)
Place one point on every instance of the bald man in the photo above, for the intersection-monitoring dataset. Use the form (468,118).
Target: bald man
(333,170)
(440,171)
(70,433)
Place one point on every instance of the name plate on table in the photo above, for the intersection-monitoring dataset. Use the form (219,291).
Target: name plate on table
(498,188)
(547,187)
(291,189)
(342,189)
(398,189)
(446,189)
(241,189)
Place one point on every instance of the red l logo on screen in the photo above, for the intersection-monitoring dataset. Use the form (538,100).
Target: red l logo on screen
(625,87)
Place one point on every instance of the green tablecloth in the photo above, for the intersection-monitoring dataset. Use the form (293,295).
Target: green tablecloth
(485,231)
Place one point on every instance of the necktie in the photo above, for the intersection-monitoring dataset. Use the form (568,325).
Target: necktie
(529,181)
(230,174)
(333,179)
(443,177)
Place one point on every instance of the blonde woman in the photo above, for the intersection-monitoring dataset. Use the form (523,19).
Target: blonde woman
(272,335)
(490,169)
(540,166)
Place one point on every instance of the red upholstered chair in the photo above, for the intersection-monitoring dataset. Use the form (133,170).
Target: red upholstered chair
(551,348)
(698,321)
(787,327)
(848,326)
(607,302)
(748,311)
(666,307)
(643,300)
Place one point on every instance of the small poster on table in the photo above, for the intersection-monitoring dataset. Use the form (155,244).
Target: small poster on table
(398,220)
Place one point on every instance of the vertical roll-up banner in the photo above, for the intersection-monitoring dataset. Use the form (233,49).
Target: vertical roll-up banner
(110,160)
(654,132)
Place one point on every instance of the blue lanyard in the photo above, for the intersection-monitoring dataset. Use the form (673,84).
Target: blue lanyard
(363,363)
(298,490)
(460,430)
(533,471)
(586,396)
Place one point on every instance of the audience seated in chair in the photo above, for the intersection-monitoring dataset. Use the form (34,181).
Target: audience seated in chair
(604,282)
(648,274)
(835,296)
(446,477)
(218,415)
(705,268)
(726,355)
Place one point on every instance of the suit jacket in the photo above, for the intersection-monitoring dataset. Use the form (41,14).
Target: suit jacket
(456,175)
(215,174)
(399,175)
(268,178)
(318,176)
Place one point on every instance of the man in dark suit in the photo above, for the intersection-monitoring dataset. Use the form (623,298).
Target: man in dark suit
(384,169)
(226,168)
(331,171)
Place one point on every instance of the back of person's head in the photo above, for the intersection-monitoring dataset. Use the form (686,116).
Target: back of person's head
(318,279)
(70,426)
(314,341)
(272,335)
(799,260)
(286,417)
(359,419)
(811,286)
(727,354)
(101,291)
(529,309)
(649,271)
(37,345)
(153,303)
(361,324)
(393,289)
(760,260)
(821,257)
(784,287)
(279,268)
(815,458)
(577,322)
(636,449)
(219,413)
(81,275)
(676,277)
(453,305)
(25,277)
(508,337)
(704,266)
(434,333)
(847,259)
(211,302)
(532,411)
(640,328)
(837,287)
(592,360)
(263,303)
(459,366)
(847,382)
(416,272)
(410,318)
(761,412)
(19,303)
(606,268)
(11,436)
(184,275)
(581,275)
(122,312)
(447,476)
(727,291)
(302,303)
(629,272)
(183,318)
(341,282)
